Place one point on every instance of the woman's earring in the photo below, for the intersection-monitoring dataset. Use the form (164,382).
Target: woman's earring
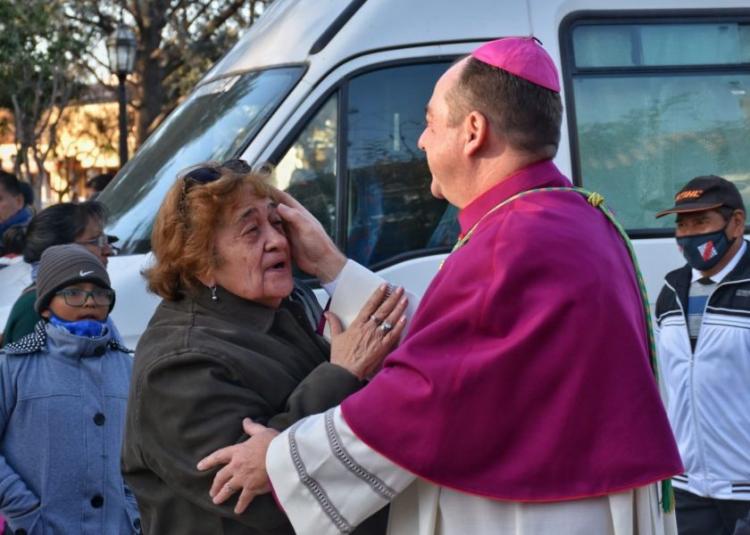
(213,294)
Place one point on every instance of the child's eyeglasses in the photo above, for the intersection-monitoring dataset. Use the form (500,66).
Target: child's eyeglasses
(76,297)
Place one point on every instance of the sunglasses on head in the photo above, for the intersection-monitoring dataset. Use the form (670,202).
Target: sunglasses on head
(202,175)
(210,172)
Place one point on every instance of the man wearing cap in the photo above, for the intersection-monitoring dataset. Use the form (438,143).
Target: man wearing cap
(703,318)
(522,399)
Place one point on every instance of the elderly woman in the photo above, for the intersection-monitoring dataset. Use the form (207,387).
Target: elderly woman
(225,344)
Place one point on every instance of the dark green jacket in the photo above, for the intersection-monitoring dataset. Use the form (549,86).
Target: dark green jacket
(201,367)
(22,317)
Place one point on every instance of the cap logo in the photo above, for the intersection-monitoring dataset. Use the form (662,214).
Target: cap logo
(84,273)
(689,194)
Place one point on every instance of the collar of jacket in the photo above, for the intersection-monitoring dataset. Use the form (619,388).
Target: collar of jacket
(680,279)
(63,343)
(237,309)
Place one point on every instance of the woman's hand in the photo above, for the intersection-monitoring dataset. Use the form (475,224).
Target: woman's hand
(245,467)
(375,331)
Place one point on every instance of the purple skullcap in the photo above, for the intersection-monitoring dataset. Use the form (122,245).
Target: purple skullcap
(522,56)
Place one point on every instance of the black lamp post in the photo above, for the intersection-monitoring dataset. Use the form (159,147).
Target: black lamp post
(121,47)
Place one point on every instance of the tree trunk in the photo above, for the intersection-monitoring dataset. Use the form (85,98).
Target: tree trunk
(150,68)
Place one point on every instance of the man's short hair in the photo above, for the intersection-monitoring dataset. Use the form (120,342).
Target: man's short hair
(527,115)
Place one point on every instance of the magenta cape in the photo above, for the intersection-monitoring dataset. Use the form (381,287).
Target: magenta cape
(525,375)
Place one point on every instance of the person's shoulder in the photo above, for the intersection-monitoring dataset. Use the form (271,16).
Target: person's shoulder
(742,269)
(667,301)
(169,320)
(32,344)
(180,336)
(22,317)
(539,217)
(25,303)
(161,347)
(676,277)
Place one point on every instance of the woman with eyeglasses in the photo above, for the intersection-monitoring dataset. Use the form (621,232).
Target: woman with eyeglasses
(227,343)
(57,225)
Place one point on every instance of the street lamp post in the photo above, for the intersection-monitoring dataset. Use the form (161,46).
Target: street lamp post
(121,47)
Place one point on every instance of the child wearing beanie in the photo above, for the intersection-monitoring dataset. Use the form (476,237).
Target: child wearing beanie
(63,396)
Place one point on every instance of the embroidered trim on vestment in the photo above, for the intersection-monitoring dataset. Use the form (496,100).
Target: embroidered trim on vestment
(376,484)
(314,487)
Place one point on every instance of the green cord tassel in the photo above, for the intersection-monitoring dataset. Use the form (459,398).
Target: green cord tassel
(667,496)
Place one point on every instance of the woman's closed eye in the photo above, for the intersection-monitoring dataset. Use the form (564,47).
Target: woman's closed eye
(250,230)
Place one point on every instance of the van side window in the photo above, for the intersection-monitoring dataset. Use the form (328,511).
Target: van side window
(308,169)
(390,209)
(654,103)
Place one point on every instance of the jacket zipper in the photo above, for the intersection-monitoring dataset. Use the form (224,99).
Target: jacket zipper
(699,438)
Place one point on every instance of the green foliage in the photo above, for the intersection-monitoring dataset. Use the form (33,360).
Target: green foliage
(39,51)
(41,55)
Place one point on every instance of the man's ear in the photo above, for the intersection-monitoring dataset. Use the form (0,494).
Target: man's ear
(476,129)
(45,313)
(738,227)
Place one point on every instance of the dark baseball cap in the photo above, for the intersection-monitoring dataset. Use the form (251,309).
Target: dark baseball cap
(706,193)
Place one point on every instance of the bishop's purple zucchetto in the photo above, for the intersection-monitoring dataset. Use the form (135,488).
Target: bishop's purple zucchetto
(522,56)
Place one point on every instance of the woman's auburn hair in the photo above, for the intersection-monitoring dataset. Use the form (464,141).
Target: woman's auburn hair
(183,238)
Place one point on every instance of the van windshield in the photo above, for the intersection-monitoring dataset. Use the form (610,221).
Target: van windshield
(216,122)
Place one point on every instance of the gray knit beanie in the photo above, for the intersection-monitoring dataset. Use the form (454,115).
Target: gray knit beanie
(63,265)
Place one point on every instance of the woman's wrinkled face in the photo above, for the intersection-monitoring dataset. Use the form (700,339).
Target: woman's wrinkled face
(254,259)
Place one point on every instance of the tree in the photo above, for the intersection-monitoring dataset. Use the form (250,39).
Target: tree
(178,40)
(39,75)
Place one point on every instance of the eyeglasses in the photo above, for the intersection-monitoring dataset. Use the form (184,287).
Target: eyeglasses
(100,241)
(76,297)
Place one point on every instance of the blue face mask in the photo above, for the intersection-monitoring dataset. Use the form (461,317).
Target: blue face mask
(87,328)
(704,251)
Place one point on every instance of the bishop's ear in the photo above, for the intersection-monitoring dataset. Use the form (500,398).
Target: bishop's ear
(476,129)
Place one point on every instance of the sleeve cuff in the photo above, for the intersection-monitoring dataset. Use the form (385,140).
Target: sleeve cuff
(330,287)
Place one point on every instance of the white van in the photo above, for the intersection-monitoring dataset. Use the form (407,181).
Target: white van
(333,92)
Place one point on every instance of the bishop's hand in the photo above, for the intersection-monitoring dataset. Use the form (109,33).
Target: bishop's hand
(312,249)
(244,467)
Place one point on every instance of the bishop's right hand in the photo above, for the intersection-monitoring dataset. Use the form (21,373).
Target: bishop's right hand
(312,249)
